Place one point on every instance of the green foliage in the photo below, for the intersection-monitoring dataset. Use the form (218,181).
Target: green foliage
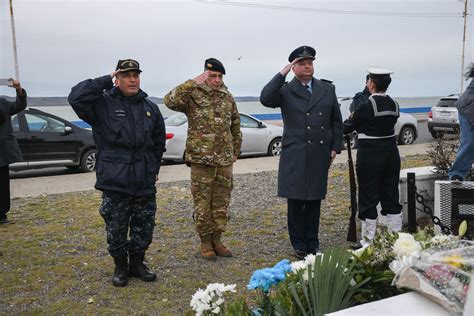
(328,288)
(237,307)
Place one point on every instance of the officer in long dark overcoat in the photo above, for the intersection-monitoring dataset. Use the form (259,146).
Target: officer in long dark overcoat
(9,149)
(312,135)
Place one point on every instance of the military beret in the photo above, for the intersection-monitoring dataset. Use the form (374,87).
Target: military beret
(302,52)
(214,65)
(128,65)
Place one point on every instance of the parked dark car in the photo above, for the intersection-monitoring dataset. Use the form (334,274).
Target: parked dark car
(47,140)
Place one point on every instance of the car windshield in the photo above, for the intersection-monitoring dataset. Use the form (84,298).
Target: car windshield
(446,103)
(176,119)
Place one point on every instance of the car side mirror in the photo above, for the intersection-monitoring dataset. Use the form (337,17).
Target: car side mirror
(67,130)
(261,125)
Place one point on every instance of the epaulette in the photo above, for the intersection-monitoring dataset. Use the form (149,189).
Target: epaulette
(325,80)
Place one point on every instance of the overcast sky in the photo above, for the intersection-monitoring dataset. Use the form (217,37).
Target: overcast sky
(61,42)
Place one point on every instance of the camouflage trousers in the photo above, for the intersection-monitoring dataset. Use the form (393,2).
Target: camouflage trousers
(126,215)
(211,188)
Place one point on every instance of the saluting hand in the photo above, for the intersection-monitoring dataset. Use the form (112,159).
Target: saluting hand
(17,86)
(112,75)
(202,77)
(288,67)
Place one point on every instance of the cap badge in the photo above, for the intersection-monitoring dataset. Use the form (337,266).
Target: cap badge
(209,65)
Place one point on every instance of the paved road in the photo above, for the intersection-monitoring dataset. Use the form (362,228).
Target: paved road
(61,180)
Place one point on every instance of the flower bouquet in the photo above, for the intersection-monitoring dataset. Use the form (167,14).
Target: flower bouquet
(441,273)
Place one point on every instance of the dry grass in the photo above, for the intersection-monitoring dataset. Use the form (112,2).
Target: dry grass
(55,260)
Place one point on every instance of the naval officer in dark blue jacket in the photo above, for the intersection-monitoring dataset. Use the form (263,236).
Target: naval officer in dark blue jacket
(129,132)
(378,159)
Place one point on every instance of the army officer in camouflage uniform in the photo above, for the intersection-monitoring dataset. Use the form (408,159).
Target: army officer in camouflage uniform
(212,146)
(129,132)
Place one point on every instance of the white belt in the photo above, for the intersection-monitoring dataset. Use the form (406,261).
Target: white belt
(363,136)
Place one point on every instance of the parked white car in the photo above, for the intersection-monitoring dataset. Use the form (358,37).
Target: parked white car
(406,128)
(443,117)
(258,138)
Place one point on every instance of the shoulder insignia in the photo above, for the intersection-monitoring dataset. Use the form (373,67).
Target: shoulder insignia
(325,80)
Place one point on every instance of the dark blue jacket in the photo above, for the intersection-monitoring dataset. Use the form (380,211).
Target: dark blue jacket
(359,98)
(129,133)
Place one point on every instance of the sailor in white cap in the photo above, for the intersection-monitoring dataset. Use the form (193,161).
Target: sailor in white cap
(378,159)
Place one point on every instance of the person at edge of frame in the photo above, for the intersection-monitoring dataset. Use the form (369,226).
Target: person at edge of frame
(10,150)
(465,155)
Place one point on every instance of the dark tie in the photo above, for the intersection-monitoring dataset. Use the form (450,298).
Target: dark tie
(308,88)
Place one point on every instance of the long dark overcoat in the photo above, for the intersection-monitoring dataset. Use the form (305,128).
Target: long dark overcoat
(9,149)
(312,129)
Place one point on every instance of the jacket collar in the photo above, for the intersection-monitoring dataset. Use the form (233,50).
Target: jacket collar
(137,98)
(319,91)
(297,88)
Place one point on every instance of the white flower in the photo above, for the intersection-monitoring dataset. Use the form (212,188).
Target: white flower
(357,253)
(405,236)
(210,298)
(442,240)
(298,265)
(228,288)
(405,246)
(397,266)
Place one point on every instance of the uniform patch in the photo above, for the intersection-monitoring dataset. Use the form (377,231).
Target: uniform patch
(119,113)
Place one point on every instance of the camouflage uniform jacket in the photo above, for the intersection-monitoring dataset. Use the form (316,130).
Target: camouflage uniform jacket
(214,135)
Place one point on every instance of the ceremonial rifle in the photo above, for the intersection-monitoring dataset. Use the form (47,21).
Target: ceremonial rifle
(352,232)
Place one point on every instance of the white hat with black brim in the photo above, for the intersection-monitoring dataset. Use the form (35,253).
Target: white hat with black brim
(377,71)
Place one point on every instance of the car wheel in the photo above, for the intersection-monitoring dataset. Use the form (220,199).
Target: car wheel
(88,160)
(274,149)
(407,136)
(437,134)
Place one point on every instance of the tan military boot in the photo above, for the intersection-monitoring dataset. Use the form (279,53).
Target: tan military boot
(207,252)
(219,247)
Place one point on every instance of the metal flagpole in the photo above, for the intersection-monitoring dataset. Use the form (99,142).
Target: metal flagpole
(12,20)
(463,46)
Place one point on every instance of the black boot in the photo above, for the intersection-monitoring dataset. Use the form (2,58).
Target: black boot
(138,269)
(120,277)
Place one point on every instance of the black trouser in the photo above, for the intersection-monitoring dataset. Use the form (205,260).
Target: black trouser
(378,174)
(4,192)
(303,224)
